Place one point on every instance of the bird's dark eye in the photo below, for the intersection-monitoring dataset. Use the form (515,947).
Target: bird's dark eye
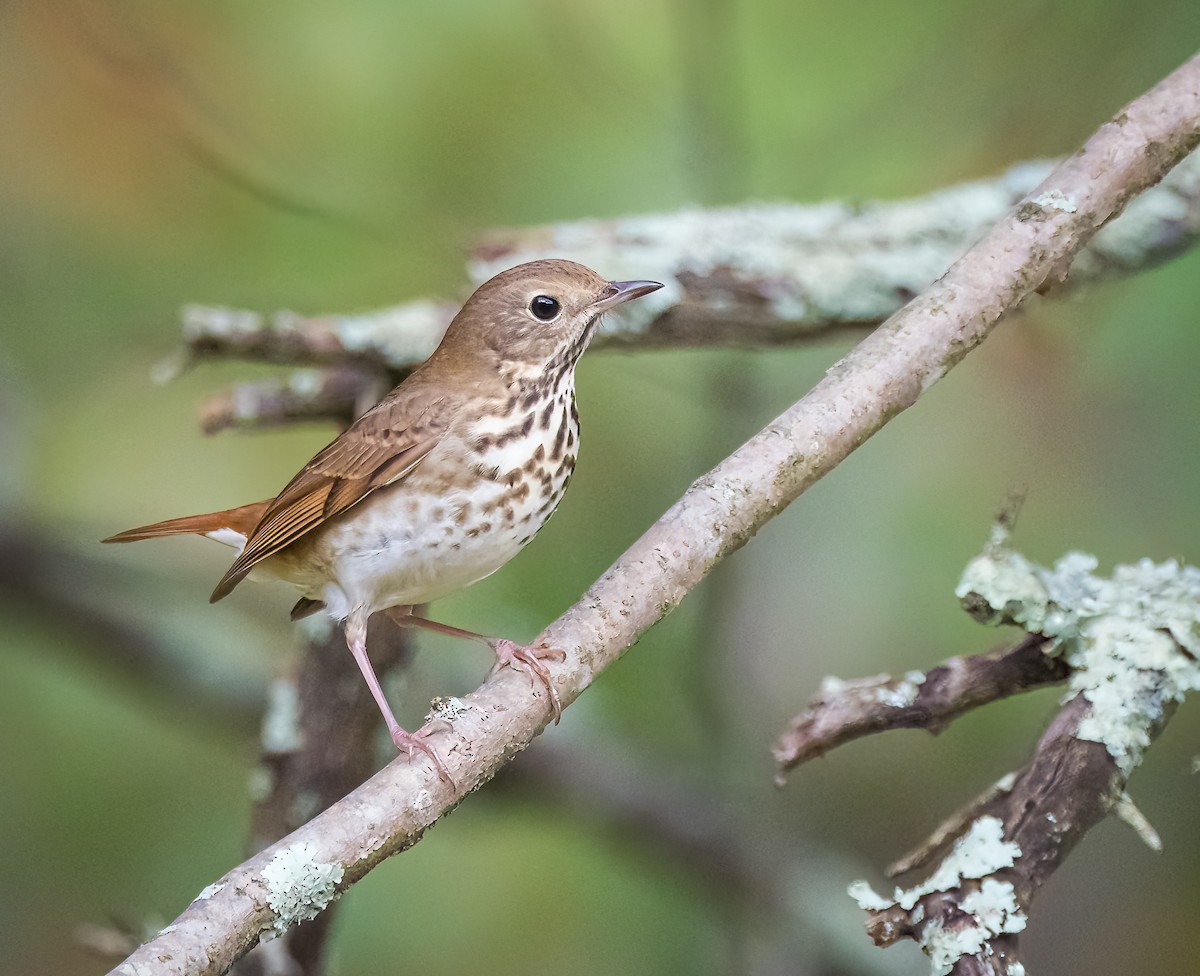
(544,307)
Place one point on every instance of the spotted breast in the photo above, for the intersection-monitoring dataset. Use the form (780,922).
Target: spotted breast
(471,506)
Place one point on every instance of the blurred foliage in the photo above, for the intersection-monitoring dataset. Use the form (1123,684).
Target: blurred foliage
(331,157)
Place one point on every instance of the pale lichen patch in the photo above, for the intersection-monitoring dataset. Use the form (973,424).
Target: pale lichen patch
(423,801)
(305,382)
(447,708)
(945,948)
(206,321)
(980,852)
(995,908)
(260,782)
(1056,200)
(902,693)
(992,906)
(1132,640)
(831,685)
(1011,587)
(994,912)
(281,721)
(401,334)
(299,885)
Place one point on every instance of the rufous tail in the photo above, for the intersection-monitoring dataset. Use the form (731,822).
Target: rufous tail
(243,519)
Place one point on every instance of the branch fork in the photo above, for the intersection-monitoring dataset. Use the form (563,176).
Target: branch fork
(1127,649)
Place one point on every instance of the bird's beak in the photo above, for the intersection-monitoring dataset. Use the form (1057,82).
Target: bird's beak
(617,292)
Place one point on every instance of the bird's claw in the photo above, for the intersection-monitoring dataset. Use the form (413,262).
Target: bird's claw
(529,660)
(412,742)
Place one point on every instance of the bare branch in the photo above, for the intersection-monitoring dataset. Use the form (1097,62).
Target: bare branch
(718,514)
(843,711)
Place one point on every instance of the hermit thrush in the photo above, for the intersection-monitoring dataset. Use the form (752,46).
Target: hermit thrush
(443,481)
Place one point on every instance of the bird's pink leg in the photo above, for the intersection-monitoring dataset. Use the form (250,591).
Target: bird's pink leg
(356,640)
(510,653)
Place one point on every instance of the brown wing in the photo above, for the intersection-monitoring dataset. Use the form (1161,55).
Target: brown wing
(381,447)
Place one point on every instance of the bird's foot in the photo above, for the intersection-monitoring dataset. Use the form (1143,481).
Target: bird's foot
(529,659)
(517,656)
(413,742)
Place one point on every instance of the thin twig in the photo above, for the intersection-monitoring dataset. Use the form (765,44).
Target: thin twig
(844,711)
(953,826)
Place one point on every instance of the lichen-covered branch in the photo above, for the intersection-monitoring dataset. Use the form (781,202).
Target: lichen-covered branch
(331,393)
(396,338)
(764,274)
(768,274)
(320,739)
(1127,646)
(888,371)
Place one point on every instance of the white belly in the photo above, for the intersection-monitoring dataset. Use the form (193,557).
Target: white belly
(392,555)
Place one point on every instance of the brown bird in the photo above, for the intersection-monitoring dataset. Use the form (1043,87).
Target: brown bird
(442,482)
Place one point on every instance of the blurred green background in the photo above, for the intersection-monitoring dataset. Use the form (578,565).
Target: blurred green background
(336,157)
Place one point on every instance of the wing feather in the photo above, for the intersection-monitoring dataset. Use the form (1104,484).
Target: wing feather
(379,449)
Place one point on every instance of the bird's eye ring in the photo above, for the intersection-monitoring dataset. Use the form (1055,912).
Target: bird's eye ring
(544,307)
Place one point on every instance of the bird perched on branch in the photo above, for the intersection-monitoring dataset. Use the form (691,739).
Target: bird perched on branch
(442,482)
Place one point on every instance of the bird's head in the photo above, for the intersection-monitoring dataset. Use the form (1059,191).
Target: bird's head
(536,317)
